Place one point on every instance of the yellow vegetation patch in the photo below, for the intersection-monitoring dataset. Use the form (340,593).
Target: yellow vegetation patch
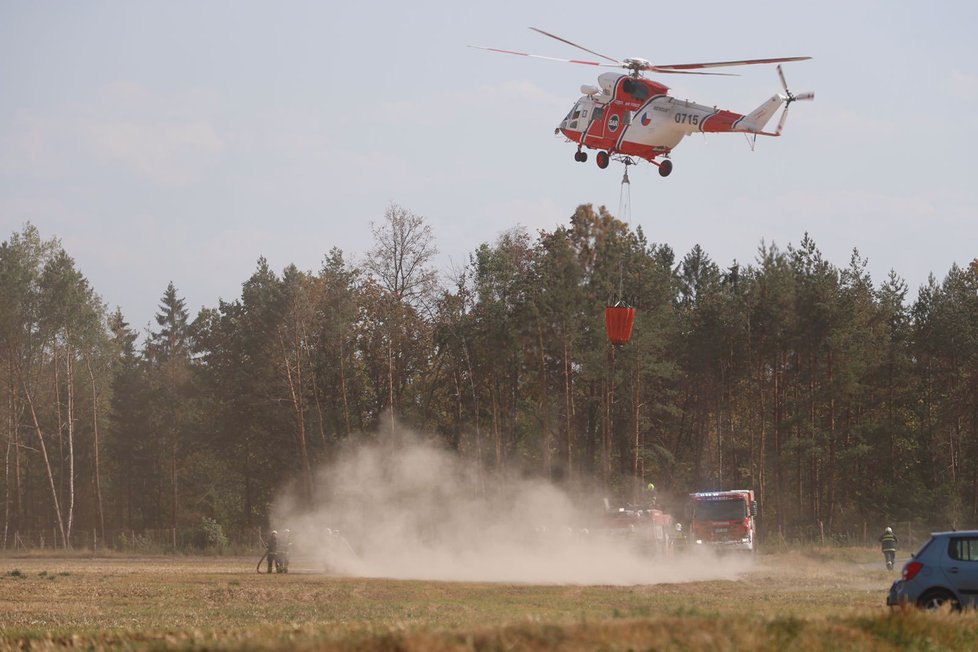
(786,601)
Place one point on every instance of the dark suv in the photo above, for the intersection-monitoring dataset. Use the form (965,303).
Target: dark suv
(943,571)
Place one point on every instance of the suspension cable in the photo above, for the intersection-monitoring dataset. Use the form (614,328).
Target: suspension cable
(625,215)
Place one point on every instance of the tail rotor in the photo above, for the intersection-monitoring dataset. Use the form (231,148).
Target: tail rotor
(789,97)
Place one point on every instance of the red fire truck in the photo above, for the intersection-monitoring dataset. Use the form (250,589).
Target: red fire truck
(649,529)
(725,519)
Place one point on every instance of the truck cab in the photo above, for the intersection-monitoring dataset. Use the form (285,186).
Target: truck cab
(724,520)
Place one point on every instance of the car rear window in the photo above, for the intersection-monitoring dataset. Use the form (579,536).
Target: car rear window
(963,548)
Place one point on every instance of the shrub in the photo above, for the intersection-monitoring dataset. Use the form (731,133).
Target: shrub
(133,542)
(208,535)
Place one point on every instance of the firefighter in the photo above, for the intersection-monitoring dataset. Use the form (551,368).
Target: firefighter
(271,550)
(650,492)
(679,537)
(888,541)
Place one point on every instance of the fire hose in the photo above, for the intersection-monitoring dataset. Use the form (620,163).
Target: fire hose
(258,567)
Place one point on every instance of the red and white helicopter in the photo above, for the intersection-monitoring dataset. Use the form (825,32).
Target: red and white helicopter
(627,115)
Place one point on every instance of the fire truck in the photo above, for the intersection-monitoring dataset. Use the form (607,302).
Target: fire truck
(726,520)
(649,529)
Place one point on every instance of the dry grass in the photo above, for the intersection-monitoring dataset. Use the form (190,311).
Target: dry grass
(796,600)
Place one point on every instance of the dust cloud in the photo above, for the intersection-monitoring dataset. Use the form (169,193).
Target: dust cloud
(402,507)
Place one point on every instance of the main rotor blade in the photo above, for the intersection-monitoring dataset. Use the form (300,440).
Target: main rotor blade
(690,72)
(720,64)
(539,56)
(572,44)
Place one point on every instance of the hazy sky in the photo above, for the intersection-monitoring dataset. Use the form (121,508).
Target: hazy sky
(182,140)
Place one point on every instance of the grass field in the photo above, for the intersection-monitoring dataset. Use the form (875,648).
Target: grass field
(815,599)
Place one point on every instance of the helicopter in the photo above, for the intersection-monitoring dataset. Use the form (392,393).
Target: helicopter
(627,115)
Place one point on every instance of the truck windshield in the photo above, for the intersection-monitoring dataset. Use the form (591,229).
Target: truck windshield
(719,510)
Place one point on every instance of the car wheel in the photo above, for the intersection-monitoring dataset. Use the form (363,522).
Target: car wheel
(935,599)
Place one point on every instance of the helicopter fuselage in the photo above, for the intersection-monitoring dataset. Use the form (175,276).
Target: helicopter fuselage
(634,116)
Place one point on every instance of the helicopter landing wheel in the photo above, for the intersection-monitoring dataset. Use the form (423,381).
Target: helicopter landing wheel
(602,159)
(665,168)
(580,157)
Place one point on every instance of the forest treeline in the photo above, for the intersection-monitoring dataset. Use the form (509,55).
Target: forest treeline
(837,399)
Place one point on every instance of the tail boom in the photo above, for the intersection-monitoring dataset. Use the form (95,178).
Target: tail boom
(755,121)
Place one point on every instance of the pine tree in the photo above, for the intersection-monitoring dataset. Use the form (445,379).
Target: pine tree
(168,352)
